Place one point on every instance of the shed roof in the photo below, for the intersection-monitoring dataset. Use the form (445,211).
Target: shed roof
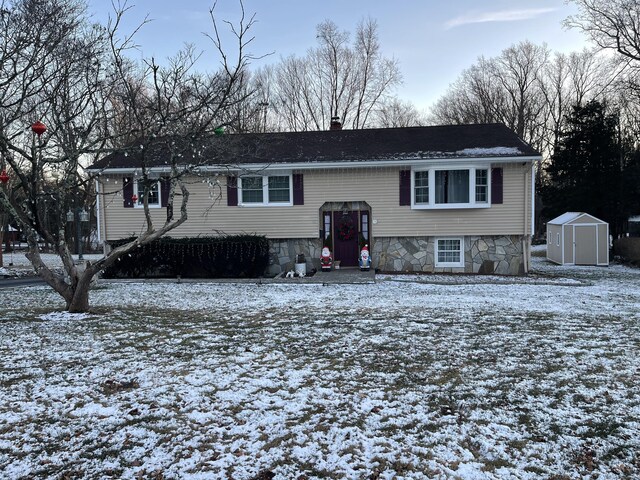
(378,144)
(569,217)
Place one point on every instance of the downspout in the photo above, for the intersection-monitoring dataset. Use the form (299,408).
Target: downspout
(533,198)
(98,213)
(526,238)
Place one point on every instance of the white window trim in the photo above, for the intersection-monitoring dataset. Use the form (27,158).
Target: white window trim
(432,205)
(449,264)
(265,191)
(139,195)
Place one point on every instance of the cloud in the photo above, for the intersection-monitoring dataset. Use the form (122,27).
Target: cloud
(501,16)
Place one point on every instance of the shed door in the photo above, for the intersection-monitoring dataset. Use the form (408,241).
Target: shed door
(585,245)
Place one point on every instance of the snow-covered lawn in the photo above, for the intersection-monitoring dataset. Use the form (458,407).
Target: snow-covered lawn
(400,379)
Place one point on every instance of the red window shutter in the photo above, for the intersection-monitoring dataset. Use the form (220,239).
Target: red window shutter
(165,187)
(127,192)
(232,191)
(405,187)
(496,185)
(298,189)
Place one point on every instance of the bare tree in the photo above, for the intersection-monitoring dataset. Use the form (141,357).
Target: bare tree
(75,78)
(615,25)
(611,24)
(336,79)
(395,113)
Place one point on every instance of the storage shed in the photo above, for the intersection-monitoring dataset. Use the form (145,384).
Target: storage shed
(577,238)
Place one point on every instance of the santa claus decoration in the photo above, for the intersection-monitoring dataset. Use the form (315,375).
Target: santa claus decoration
(326,261)
(365,260)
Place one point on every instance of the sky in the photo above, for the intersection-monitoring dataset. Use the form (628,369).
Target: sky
(432,40)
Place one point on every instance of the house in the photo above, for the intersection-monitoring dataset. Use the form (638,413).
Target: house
(456,198)
(577,238)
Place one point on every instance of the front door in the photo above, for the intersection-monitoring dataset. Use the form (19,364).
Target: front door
(345,239)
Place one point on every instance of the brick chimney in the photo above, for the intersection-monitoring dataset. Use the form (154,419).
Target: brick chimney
(335,124)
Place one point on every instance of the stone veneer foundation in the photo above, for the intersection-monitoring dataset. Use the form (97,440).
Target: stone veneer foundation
(502,255)
(282,253)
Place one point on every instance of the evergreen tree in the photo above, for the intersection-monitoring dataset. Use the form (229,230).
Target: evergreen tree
(588,168)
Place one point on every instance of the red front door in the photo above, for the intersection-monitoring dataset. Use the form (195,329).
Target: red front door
(345,238)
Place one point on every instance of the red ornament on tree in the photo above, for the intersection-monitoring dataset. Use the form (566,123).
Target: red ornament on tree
(39,128)
(4,178)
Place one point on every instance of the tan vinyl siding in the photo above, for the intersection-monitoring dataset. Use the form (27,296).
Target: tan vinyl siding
(378,187)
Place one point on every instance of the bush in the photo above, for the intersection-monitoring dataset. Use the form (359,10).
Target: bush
(233,256)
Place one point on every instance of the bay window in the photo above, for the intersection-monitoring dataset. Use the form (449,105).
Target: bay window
(450,188)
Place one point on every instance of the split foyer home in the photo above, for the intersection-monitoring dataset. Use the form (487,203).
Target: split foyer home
(456,198)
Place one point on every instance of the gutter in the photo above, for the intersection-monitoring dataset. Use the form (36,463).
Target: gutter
(319,165)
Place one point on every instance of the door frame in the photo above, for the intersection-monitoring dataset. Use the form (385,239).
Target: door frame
(363,226)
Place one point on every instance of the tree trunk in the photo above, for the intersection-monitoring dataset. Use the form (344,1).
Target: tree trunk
(80,300)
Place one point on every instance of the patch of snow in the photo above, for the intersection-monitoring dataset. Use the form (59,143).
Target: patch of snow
(501,379)
(487,152)
(63,316)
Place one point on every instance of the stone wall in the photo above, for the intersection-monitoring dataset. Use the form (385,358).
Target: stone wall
(282,254)
(486,255)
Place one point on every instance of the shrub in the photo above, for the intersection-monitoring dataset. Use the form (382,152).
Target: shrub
(232,256)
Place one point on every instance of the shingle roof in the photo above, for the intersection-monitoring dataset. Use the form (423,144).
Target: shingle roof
(448,141)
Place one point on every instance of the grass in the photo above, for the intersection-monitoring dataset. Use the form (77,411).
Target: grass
(415,381)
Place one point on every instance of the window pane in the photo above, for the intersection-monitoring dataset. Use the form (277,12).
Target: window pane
(252,190)
(449,251)
(452,186)
(421,184)
(482,186)
(327,225)
(154,197)
(365,226)
(279,189)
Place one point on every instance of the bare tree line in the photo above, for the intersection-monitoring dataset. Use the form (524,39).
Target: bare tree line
(531,89)
(341,77)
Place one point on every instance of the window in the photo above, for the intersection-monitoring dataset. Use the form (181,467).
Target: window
(549,238)
(451,188)
(265,190)
(558,240)
(252,190)
(449,252)
(327,225)
(482,186)
(422,187)
(154,193)
(279,189)
(364,226)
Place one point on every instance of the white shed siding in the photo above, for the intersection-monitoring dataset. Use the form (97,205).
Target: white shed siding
(584,239)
